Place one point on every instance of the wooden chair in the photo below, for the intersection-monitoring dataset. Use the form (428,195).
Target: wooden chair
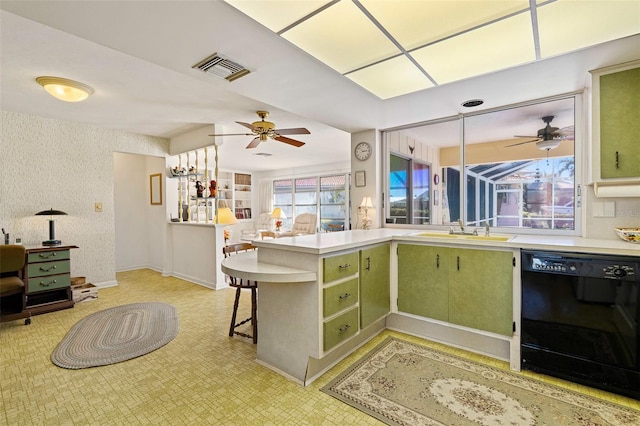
(240,284)
(12,260)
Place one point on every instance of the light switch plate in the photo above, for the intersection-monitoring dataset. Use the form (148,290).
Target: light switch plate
(610,209)
(598,209)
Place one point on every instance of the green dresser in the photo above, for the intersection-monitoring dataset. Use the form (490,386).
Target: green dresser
(47,275)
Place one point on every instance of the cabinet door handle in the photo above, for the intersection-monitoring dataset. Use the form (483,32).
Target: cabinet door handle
(51,268)
(617,160)
(368,267)
(345,266)
(344,328)
(458,262)
(47,255)
(43,284)
(437,260)
(344,296)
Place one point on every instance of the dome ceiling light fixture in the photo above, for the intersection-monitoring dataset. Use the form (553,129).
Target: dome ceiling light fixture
(65,89)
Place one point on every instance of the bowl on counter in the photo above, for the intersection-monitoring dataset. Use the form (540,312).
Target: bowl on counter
(631,235)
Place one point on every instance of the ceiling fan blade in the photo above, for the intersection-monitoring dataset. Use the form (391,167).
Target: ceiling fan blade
(522,143)
(295,131)
(254,143)
(289,141)
(234,134)
(247,125)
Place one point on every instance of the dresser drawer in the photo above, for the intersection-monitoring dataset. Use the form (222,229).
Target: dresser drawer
(45,256)
(51,282)
(48,268)
(339,297)
(340,328)
(337,267)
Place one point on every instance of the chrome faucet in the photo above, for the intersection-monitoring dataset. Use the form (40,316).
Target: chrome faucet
(461,225)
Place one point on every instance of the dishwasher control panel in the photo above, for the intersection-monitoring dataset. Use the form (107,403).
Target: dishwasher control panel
(584,265)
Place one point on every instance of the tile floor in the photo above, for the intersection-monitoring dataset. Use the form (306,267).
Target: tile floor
(201,377)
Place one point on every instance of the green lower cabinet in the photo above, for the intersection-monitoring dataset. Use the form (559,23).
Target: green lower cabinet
(374,284)
(340,328)
(472,288)
(423,281)
(481,290)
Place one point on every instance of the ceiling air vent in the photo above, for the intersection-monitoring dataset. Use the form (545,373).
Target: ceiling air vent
(222,67)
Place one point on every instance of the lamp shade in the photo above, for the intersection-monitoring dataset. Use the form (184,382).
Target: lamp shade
(366,202)
(52,227)
(50,212)
(65,89)
(225,216)
(277,213)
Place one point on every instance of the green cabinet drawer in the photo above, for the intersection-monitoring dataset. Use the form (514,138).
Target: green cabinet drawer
(45,256)
(46,283)
(339,297)
(340,328)
(48,268)
(337,267)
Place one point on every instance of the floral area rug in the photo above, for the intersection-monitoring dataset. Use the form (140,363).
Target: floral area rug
(402,383)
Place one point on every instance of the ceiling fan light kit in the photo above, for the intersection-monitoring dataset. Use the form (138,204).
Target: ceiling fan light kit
(65,89)
(264,130)
(548,137)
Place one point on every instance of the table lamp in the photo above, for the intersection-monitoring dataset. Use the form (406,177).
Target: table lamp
(226,217)
(366,205)
(278,215)
(52,227)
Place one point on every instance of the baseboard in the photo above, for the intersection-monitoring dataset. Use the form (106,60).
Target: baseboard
(480,342)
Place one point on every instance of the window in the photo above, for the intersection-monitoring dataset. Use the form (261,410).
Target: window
(326,194)
(409,190)
(333,196)
(519,168)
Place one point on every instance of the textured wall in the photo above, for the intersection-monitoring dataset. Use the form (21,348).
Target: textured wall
(46,164)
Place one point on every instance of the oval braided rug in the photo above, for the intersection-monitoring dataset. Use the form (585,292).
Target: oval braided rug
(117,334)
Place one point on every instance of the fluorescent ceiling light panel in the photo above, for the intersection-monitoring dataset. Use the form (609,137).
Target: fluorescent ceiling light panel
(277,15)
(394,77)
(494,47)
(342,37)
(416,23)
(565,26)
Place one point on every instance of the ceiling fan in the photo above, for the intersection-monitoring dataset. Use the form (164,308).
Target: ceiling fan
(548,137)
(262,130)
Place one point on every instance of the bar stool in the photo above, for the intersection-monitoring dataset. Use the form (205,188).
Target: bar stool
(240,284)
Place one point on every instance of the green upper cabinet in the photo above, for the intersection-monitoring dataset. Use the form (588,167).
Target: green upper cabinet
(481,290)
(423,281)
(472,288)
(374,284)
(616,115)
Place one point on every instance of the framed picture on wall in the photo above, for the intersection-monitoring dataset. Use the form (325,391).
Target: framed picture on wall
(361,179)
(155,188)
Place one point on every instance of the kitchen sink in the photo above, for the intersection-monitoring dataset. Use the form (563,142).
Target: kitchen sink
(465,236)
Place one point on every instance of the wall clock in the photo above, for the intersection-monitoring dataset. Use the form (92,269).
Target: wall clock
(362,151)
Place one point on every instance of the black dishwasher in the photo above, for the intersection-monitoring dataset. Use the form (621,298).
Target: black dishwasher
(580,319)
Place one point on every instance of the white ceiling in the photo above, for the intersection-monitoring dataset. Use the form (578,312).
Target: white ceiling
(138,55)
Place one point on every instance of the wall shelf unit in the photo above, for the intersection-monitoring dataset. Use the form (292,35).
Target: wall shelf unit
(231,190)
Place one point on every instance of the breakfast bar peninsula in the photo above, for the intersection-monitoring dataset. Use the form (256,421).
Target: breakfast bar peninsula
(320,297)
